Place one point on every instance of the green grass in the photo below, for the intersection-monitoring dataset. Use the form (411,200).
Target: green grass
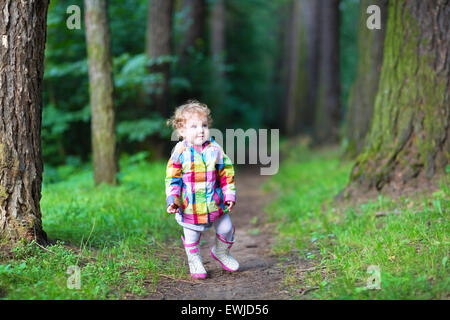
(407,238)
(120,237)
(123,241)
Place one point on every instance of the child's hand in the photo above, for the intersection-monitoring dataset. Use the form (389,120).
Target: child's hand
(172,208)
(230,205)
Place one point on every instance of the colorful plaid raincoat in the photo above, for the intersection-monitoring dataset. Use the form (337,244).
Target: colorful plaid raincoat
(200,182)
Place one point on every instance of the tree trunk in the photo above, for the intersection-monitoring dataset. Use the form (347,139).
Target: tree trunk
(193,39)
(290,68)
(365,87)
(328,113)
(218,83)
(195,23)
(218,33)
(101,92)
(23,27)
(159,44)
(281,68)
(408,143)
(312,25)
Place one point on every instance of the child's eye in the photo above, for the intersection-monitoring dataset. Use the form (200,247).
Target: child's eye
(205,126)
(193,126)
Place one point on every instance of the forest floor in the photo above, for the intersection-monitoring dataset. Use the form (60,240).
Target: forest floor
(261,274)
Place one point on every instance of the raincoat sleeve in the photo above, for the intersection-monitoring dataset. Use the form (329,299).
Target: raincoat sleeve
(225,172)
(174,179)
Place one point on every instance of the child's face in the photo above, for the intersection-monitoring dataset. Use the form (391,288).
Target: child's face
(195,130)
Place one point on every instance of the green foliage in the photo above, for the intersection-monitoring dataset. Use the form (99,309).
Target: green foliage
(66,112)
(406,238)
(252,47)
(131,78)
(248,95)
(138,130)
(128,24)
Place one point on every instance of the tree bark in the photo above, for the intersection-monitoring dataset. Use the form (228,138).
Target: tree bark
(101,92)
(193,40)
(159,44)
(312,25)
(195,22)
(23,27)
(408,143)
(218,33)
(365,87)
(217,25)
(328,112)
(290,68)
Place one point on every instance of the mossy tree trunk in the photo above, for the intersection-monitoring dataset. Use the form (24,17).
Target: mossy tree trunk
(408,143)
(328,110)
(364,89)
(101,92)
(23,26)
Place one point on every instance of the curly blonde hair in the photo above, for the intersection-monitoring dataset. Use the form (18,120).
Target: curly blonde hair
(183,112)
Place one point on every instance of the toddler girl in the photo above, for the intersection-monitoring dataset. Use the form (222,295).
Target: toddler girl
(200,187)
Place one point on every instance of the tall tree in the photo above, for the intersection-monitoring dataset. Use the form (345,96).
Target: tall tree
(365,87)
(159,50)
(312,26)
(192,27)
(290,68)
(195,23)
(409,140)
(218,33)
(277,119)
(218,84)
(23,30)
(101,92)
(328,112)
(159,44)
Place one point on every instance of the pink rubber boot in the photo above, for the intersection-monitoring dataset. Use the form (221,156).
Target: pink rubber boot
(195,259)
(221,253)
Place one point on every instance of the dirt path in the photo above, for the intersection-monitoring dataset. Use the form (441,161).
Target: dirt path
(260,276)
